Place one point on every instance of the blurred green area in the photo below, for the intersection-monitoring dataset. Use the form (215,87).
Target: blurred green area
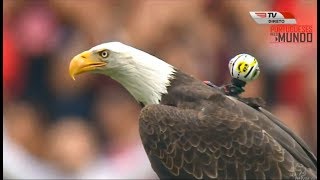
(55,127)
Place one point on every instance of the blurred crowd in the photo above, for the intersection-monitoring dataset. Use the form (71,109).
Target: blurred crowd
(55,127)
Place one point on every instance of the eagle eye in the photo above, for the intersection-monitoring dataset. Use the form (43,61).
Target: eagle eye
(104,54)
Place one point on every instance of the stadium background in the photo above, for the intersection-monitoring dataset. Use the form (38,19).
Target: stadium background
(55,127)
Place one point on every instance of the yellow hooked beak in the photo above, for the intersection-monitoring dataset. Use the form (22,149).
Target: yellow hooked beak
(84,62)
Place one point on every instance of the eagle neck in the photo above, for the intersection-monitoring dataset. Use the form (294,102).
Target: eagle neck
(146,82)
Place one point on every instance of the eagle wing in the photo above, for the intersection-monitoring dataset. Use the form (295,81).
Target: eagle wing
(226,139)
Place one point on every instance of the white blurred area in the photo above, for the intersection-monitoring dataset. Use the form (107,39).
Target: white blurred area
(71,150)
(19,164)
(57,128)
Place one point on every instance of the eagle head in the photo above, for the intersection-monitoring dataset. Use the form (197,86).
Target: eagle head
(143,75)
(103,58)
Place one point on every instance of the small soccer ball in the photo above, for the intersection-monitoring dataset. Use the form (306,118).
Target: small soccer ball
(244,67)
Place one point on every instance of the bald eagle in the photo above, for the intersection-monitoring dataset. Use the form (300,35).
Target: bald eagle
(191,130)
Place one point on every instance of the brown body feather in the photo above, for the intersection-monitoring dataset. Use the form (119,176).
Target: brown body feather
(197,132)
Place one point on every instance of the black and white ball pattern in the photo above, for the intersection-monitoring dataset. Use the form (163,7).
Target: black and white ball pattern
(244,67)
